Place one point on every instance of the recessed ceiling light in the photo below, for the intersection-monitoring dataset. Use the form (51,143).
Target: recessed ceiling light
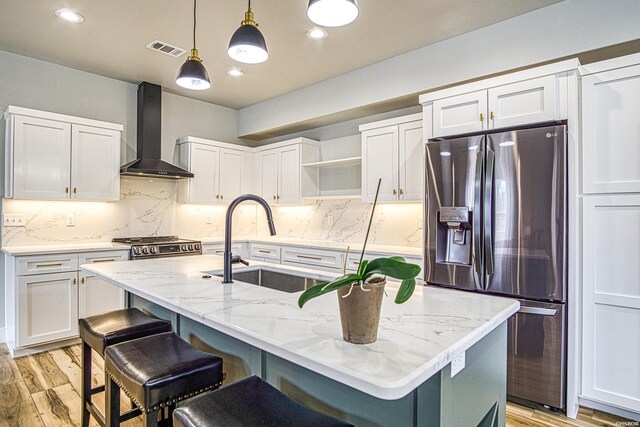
(235,72)
(317,33)
(69,16)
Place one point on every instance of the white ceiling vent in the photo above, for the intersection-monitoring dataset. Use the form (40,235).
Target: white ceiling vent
(166,48)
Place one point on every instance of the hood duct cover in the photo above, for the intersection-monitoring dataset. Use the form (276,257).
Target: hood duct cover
(148,162)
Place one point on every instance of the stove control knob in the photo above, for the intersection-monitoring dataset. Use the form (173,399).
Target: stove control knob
(154,249)
(145,250)
(136,251)
(190,247)
(197,247)
(183,247)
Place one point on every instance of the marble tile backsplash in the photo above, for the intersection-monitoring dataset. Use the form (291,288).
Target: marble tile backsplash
(150,208)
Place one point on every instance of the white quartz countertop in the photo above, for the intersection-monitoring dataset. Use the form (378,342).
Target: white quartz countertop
(63,248)
(415,339)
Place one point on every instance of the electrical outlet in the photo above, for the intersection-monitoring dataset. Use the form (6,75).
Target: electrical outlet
(71,220)
(420,222)
(330,219)
(253,219)
(457,364)
(207,220)
(14,220)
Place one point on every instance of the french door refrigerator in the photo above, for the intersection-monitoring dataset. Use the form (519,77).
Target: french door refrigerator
(495,222)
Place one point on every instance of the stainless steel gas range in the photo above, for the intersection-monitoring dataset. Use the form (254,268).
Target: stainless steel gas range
(160,246)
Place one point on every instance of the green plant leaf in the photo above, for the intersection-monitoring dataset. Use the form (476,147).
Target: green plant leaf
(324,288)
(406,290)
(392,268)
(398,258)
(362,267)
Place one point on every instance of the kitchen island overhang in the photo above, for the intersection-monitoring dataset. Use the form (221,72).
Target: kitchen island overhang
(416,343)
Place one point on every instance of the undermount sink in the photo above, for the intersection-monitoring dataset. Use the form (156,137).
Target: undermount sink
(280,280)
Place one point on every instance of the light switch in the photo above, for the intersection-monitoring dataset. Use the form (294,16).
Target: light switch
(330,219)
(208,220)
(14,220)
(71,220)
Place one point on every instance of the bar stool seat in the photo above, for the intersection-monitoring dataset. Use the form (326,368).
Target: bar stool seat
(249,403)
(156,372)
(100,331)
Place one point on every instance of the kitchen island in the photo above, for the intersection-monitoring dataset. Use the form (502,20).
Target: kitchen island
(405,378)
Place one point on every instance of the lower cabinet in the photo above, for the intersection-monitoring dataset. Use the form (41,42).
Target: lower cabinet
(47,294)
(218,249)
(611,300)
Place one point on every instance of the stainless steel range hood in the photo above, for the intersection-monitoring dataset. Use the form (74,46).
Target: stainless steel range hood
(148,162)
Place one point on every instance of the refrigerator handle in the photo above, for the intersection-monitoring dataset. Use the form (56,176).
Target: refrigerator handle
(477,208)
(488,212)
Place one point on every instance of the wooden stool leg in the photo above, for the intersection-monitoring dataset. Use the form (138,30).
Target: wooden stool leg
(112,408)
(86,384)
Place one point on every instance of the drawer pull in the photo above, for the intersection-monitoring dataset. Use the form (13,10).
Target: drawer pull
(104,260)
(315,258)
(82,280)
(58,264)
(264,251)
(219,251)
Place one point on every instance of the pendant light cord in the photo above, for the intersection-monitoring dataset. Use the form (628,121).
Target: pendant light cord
(194,23)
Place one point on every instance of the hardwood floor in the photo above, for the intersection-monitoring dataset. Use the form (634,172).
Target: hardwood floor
(44,390)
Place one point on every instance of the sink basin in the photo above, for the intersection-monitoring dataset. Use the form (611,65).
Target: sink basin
(280,280)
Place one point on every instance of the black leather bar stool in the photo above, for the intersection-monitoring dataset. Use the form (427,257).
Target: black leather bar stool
(156,372)
(100,331)
(249,403)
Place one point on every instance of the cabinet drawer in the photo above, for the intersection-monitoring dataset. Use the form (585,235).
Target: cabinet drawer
(312,257)
(40,264)
(104,256)
(353,259)
(218,249)
(269,252)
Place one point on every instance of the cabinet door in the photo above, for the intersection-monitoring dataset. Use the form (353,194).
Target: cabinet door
(531,101)
(96,296)
(289,175)
(268,165)
(42,159)
(95,163)
(460,114)
(610,131)
(380,160)
(231,174)
(411,157)
(47,308)
(204,186)
(611,300)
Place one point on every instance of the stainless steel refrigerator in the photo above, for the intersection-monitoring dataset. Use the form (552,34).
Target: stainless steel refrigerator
(495,222)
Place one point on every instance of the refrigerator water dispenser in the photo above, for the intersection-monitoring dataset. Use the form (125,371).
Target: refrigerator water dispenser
(453,239)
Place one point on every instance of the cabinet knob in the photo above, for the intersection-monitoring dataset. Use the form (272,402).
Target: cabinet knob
(222,197)
(394,192)
(66,190)
(75,190)
(74,281)
(278,197)
(491,115)
(401,192)
(274,197)
(82,280)
(481,117)
(217,196)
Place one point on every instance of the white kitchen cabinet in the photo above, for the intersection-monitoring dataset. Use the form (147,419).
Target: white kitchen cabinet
(353,259)
(460,110)
(315,259)
(95,295)
(264,252)
(56,157)
(219,171)
(610,131)
(393,151)
(218,249)
(47,308)
(281,176)
(611,300)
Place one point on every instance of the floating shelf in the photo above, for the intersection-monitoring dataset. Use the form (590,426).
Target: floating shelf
(333,163)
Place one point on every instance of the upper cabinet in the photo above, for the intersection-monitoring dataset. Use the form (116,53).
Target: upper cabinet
(52,156)
(535,95)
(281,178)
(392,150)
(610,131)
(220,170)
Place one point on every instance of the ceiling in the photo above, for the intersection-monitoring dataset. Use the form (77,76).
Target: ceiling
(111,41)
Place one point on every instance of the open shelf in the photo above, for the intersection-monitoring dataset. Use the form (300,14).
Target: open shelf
(333,163)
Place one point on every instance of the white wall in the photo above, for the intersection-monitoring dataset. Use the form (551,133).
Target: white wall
(32,83)
(556,31)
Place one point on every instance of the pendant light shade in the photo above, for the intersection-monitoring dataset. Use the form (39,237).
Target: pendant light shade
(332,13)
(247,44)
(192,74)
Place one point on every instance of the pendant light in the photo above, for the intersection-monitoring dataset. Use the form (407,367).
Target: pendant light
(332,13)
(247,44)
(192,74)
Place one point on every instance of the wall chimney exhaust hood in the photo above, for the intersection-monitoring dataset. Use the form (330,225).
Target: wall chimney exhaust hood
(148,162)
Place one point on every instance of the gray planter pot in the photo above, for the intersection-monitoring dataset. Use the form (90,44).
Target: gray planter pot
(360,312)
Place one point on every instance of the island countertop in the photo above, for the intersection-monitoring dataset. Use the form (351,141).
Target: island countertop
(415,339)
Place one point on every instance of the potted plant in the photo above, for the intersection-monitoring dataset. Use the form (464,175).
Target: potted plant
(360,294)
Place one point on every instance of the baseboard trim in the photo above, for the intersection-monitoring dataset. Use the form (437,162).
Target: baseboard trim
(2,335)
(588,403)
